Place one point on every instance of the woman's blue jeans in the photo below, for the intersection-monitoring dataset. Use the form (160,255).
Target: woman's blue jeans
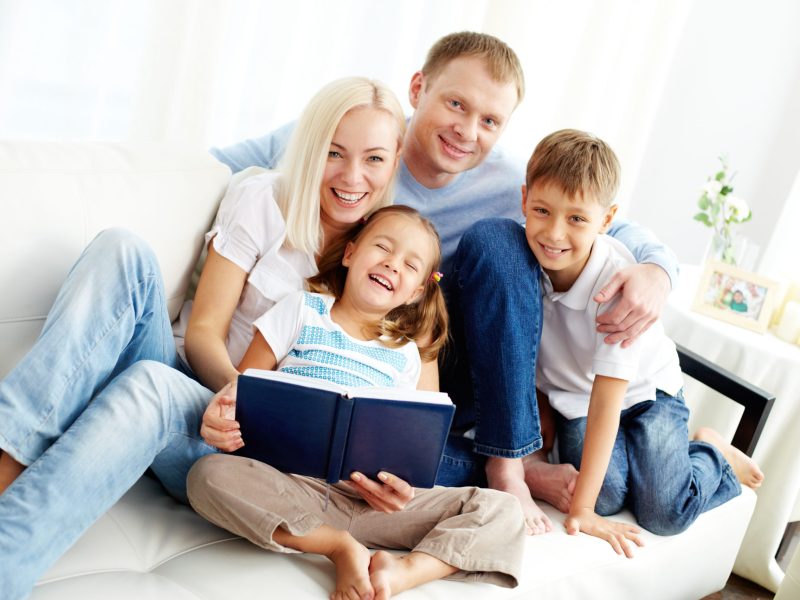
(666,480)
(97,400)
(494,300)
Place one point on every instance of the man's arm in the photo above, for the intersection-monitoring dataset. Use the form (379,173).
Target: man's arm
(645,247)
(644,287)
(265,151)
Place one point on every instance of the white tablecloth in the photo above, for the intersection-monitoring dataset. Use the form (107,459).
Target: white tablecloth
(774,365)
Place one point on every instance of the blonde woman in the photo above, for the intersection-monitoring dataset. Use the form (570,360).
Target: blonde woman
(104,393)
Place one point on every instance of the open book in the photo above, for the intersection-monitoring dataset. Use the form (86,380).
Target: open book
(321,429)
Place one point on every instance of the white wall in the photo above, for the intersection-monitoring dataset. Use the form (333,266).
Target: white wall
(734,89)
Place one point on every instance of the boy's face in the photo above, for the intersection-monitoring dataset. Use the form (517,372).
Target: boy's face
(561,230)
(458,116)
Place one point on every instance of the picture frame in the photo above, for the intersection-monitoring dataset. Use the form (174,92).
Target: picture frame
(735,296)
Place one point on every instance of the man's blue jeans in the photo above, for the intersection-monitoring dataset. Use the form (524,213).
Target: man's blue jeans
(494,300)
(97,400)
(666,480)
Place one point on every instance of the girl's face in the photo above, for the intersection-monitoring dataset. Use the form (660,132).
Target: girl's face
(362,158)
(388,265)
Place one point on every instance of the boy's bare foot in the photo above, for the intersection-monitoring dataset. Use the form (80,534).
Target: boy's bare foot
(508,475)
(10,469)
(554,484)
(351,560)
(391,574)
(746,469)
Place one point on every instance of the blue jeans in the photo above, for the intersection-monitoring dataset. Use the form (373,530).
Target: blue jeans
(494,300)
(666,480)
(97,400)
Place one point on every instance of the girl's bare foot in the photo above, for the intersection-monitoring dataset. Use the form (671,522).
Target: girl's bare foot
(9,470)
(554,484)
(391,574)
(383,569)
(508,475)
(746,469)
(351,560)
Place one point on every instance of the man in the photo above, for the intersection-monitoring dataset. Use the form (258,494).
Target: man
(451,171)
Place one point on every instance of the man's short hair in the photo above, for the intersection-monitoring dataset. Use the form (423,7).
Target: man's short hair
(578,162)
(501,61)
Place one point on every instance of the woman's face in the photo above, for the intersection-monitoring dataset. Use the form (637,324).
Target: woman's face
(362,158)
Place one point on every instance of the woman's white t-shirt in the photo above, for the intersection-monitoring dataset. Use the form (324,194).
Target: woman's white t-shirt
(250,231)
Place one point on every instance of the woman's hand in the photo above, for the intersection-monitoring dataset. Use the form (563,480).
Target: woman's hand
(615,533)
(389,495)
(643,291)
(219,428)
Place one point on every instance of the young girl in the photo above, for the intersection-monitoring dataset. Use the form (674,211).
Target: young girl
(378,298)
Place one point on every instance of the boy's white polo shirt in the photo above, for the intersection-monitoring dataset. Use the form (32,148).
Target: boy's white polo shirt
(572,352)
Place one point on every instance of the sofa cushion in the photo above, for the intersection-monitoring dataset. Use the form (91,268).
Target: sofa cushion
(57,196)
(149,546)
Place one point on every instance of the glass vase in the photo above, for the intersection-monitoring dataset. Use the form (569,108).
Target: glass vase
(721,248)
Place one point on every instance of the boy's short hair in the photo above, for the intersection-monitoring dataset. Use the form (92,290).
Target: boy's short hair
(501,61)
(578,162)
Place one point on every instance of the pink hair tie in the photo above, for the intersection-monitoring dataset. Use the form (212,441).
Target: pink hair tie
(436,276)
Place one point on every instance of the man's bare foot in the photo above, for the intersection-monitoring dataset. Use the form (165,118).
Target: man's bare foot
(508,475)
(391,574)
(746,469)
(351,560)
(10,469)
(554,484)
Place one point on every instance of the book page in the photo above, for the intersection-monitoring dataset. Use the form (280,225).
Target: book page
(383,393)
(380,393)
(309,382)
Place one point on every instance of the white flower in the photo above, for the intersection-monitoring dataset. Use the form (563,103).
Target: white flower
(712,188)
(738,209)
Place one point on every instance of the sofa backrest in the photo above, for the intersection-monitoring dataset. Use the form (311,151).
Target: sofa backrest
(55,197)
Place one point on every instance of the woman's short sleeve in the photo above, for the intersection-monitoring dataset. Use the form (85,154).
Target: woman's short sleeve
(249,223)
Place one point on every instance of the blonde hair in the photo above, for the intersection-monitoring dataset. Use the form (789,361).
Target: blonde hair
(423,318)
(578,162)
(501,61)
(303,164)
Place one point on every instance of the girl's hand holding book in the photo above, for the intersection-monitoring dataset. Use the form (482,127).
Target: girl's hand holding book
(388,495)
(219,428)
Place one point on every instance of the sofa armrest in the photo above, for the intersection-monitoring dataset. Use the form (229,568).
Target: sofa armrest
(757,402)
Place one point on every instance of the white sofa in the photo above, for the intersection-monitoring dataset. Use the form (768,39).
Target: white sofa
(55,198)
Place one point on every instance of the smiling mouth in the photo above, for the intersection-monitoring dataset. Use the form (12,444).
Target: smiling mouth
(348,197)
(454,151)
(382,281)
(550,251)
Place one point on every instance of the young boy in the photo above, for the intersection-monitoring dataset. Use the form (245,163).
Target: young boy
(621,418)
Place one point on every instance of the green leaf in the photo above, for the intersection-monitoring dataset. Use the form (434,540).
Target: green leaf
(703,218)
(703,202)
(720,176)
(726,189)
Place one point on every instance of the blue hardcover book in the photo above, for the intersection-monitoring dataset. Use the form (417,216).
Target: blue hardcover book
(321,429)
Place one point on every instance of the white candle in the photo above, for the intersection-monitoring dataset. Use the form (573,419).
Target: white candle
(788,328)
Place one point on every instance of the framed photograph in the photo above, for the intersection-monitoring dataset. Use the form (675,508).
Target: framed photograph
(736,296)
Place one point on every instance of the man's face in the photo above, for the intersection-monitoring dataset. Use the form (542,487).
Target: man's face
(459,115)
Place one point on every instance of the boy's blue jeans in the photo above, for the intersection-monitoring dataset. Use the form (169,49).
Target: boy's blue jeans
(97,400)
(655,471)
(494,300)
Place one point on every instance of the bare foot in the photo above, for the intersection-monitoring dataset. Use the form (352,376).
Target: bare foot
(382,572)
(391,574)
(351,560)
(9,470)
(746,469)
(554,484)
(508,475)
